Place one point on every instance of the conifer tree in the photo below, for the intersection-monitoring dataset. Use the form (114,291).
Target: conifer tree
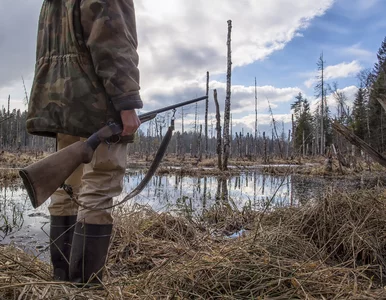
(359,114)
(377,115)
(303,124)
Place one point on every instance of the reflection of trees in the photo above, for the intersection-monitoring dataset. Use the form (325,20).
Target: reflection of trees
(204,198)
(222,189)
(251,190)
(11,213)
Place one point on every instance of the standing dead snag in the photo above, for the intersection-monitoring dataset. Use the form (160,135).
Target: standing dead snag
(218,129)
(255,139)
(199,138)
(206,114)
(275,130)
(227,109)
(321,92)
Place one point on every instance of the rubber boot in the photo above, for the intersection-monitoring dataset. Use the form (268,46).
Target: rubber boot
(61,234)
(89,252)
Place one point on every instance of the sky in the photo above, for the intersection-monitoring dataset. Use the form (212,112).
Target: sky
(278,42)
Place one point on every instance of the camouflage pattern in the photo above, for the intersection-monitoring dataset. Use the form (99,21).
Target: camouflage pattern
(87,66)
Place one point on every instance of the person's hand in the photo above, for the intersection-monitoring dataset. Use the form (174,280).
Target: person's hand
(130,122)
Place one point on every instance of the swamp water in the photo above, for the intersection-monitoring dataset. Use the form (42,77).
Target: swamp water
(28,228)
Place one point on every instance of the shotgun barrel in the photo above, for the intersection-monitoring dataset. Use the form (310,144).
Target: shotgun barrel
(152,114)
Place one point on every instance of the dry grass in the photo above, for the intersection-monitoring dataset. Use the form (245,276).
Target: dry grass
(332,248)
(19,159)
(10,162)
(8,176)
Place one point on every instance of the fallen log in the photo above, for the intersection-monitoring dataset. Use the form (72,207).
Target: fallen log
(361,144)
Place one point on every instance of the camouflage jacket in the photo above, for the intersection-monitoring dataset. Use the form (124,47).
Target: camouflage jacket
(87,66)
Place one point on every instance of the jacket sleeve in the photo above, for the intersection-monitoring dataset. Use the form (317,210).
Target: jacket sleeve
(109,30)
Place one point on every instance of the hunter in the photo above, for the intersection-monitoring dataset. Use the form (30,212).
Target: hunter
(86,74)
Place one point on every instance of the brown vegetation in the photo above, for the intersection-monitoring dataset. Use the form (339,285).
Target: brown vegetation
(331,248)
(10,162)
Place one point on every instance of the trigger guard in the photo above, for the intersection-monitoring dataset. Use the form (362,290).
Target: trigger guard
(114,139)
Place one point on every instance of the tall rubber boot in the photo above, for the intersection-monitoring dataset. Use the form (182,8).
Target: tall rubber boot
(89,252)
(61,234)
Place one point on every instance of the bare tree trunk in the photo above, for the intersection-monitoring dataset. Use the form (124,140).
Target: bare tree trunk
(182,120)
(156,128)
(322,144)
(227,100)
(148,142)
(178,143)
(8,125)
(288,143)
(199,144)
(206,114)
(275,131)
(194,150)
(238,141)
(255,143)
(265,148)
(230,136)
(25,92)
(218,129)
(247,145)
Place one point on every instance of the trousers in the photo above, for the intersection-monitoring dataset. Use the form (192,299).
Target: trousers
(95,184)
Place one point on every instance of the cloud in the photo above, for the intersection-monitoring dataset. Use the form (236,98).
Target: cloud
(184,42)
(358,53)
(18,29)
(341,70)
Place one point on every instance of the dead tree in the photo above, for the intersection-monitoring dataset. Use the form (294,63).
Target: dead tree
(265,148)
(238,141)
(182,120)
(206,114)
(218,129)
(321,92)
(255,142)
(199,156)
(275,131)
(25,92)
(227,109)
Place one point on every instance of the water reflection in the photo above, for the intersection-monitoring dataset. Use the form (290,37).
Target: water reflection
(20,224)
(11,213)
(195,194)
